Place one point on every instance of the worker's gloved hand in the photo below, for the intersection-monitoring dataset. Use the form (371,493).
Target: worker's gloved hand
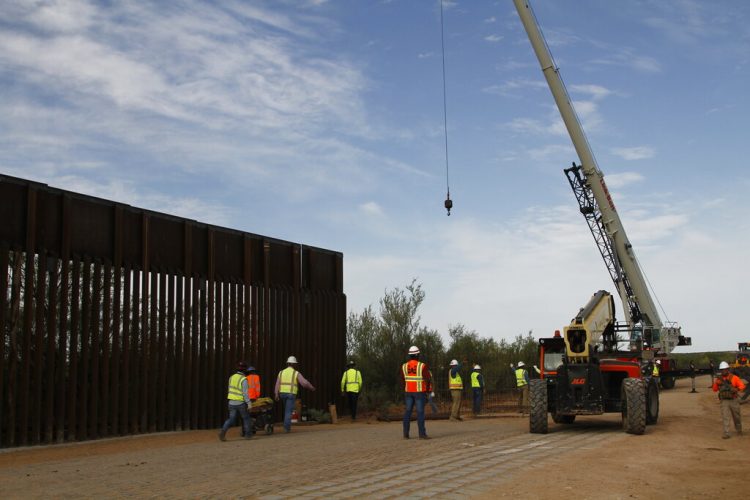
(432,394)
(249,405)
(511,366)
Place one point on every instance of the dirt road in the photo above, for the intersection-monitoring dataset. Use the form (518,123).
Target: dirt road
(682,455)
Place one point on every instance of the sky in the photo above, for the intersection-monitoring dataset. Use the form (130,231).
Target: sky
(322,122)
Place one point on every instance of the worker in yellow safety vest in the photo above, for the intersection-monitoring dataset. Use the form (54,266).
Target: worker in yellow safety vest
(239,403)
(287,386)
(522,385)
(456,386)
(417,381)
(477,389)
(351,384)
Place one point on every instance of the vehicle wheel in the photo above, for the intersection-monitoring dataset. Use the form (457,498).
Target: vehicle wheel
(667,382)
(563,419)
(538,406)
(634,405)
(652,403)
(269,429)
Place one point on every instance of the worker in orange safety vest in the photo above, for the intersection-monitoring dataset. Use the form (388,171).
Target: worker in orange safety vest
(417,381)
(253,384)
(729,386)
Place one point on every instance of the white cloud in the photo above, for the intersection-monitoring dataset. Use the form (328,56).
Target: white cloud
(493,38)
(634,153)
(371,208)
(595,91)
(622,179)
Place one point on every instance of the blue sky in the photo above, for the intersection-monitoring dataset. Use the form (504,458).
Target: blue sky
(321,122)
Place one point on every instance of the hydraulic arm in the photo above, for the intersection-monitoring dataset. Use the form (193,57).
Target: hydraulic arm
(596,204)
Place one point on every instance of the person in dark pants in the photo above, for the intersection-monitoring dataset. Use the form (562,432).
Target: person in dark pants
(351,384)
(692,376)
(477,388)
(415,376)
(239,403)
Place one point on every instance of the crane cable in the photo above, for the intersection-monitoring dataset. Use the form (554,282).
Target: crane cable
(653,292)
(448,202)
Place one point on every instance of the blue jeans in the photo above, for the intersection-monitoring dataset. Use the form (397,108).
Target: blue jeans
(477,400)
(287,400)
(411,399)
(234,412)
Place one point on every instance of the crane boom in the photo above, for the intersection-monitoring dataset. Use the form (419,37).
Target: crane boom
(597,206)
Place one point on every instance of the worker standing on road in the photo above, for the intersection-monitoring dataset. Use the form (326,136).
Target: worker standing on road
(239,403)
(456,386)
(729,386)
(655,371)
(522,385)
(286,389)
(713,371)
(351,384)
(692,376)
(477,389)
(416,378)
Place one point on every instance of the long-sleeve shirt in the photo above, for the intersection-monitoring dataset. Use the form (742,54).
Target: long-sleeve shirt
(300,380)
(455,369)
(734,380)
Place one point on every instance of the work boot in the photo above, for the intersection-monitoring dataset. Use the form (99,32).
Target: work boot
(425,437)
(222,435)
(406,436)
(725,436)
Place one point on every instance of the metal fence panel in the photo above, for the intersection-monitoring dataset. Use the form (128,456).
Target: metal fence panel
(116,320)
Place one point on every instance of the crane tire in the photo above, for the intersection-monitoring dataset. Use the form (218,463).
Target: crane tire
(538,406)
(667,382)
(634,405)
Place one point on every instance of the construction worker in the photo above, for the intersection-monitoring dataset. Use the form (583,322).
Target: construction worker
(692,376)
(253,388)
(729,386)
(253,384)
(417,382)
(477,388)
(286,389)
(431,396)
(239,402)
(655,370)
(351,384)
(456,386)
(522,385)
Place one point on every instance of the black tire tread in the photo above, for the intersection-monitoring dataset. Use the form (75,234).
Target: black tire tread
(634,405)
(538,406)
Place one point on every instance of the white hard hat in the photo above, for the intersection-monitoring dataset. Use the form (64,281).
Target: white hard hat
(658,361)
(520,364)
(413,350)
(291,359)
(454,362)
(723,365)
(477,367)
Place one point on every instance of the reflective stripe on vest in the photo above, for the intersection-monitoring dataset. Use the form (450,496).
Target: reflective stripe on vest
(253,386)
(455,382)
(353,380)
(288,380)
(413,376)
(475,380)
(234,391)
(520,377)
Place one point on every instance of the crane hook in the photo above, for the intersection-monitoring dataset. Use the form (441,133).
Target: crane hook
(448,203)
